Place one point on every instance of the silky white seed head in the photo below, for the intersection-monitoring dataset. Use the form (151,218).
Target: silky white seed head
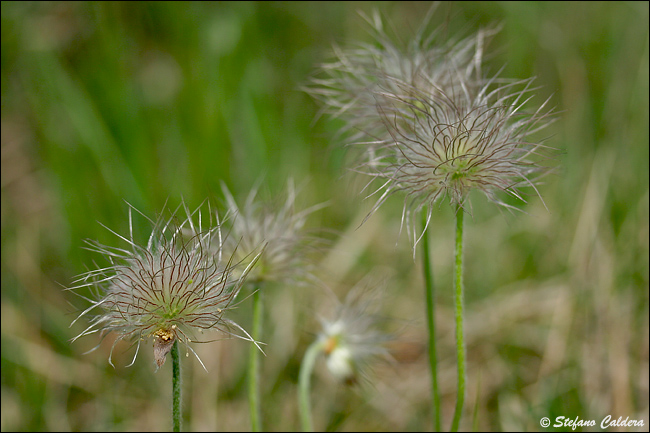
(430,123)
(168,290)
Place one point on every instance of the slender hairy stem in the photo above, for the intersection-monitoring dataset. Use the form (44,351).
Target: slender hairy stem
(254,365)
(460,340)
(431,323)
(304,384)
(176,387)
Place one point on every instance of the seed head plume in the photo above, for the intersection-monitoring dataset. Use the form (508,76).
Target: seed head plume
(430,123)
(172,288)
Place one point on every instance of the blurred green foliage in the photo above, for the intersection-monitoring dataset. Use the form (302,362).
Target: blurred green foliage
(151,102)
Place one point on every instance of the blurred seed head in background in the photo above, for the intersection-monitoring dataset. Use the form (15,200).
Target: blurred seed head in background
(276,232)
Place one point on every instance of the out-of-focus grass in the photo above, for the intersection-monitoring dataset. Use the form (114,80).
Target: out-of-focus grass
(147,102)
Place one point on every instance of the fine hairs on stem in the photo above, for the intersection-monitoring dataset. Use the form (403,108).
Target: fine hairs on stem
(431,323)
(176,388)
(460,338)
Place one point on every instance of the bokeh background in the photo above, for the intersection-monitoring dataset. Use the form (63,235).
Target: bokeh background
(104,103)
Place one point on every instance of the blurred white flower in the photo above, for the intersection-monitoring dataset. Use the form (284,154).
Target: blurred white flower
(352,339)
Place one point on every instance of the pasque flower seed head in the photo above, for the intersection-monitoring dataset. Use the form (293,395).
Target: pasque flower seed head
(431,124)
(171,289)
(276,233)
(348,84)
(449,142)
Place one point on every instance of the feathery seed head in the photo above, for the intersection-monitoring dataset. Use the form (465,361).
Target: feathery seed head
(276,233)
(170,289)
(450,143)
(351,83)
(431,124)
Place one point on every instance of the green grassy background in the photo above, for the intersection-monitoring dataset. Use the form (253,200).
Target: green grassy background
(104,103)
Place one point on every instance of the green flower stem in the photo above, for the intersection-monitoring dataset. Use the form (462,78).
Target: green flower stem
(254,365)
(431,323)
(460,340)
(176,387)
(304,384)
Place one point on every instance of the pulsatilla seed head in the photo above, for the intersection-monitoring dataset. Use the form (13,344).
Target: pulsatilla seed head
(170,290)
(447,143)
(276,232)
(431,124)
(349,83)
